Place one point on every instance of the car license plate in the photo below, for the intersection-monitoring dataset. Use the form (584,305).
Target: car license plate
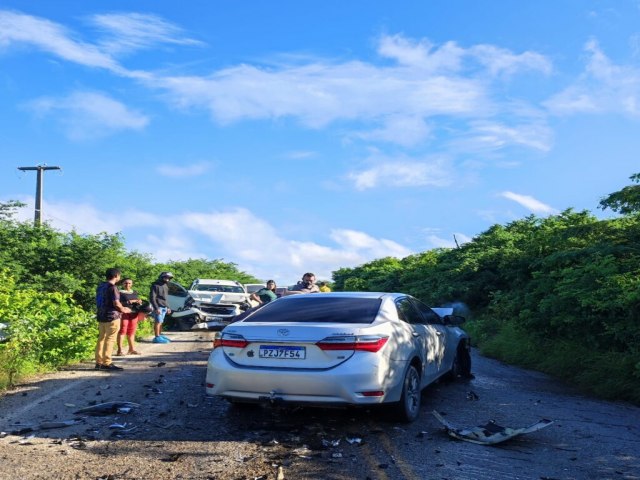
(277,351)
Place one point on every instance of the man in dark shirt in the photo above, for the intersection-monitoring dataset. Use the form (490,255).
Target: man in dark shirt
(109,310)
(158,300)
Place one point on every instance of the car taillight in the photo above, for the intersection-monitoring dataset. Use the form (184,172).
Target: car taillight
(374,393)
(372,343)
(233,341)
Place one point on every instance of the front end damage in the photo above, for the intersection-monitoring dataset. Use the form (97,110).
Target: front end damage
(209,312)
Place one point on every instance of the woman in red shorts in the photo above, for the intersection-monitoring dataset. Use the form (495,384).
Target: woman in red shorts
(129,321)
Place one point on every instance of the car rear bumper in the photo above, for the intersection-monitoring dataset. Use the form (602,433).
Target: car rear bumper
(341,385)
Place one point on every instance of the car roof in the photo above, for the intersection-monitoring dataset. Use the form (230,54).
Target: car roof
(380,295)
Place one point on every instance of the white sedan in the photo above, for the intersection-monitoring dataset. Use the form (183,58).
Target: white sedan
(338,349)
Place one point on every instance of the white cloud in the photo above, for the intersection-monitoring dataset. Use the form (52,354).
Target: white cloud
(604,87)
(86,115)
(182,171)
(17,28)
(127,32)
(491,135)
(400,129)
(402,172)
(355,241)
(423,81)
(236,235)
(530,203)
(500,61)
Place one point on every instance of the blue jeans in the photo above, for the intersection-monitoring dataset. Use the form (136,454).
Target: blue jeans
(159,317)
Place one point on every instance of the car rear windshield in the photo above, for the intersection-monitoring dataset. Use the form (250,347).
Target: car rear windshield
(316,308)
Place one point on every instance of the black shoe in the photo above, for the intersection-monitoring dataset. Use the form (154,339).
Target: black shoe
(112,368)
(98,366)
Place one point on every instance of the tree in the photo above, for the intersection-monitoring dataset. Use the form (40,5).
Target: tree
(625,201)
(8,209)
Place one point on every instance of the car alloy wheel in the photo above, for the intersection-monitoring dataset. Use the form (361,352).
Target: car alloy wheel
(409,406)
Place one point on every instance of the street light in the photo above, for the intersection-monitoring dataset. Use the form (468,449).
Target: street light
(37,220)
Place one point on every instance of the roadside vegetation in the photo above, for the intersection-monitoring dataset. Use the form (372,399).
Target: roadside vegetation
(559,294)
(47,291)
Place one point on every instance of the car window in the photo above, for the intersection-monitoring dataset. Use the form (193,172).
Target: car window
(429,315)
(407,312)
(312,308)
(208,288)
(177,290)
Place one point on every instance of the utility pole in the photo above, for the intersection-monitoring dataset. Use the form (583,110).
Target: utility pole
(37,220)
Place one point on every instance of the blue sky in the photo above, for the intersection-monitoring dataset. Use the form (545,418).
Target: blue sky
(307,136)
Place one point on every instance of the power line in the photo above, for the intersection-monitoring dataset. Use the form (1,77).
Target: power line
(37,219)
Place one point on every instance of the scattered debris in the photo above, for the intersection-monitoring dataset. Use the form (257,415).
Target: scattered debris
(121,426)
(3,434)
(488,434)
(69,404)
(330,443)
(354,440)
(280,474)
(161,364)
(107,408)
(336,455)
(302,452)
(45,426)
(173,457)
(124,410)
(471,395)
(26,440)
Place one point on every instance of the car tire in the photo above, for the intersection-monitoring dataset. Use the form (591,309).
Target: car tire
(461,366)
(408,408)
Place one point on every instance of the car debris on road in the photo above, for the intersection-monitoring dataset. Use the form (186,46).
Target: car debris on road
(106,408)
(490,433)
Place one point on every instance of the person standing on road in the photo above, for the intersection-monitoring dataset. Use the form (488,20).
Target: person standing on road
(129,321)
(265,295)
(109,312)
(158,300)
(306,285)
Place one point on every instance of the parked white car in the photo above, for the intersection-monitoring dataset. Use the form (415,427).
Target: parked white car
(341,348)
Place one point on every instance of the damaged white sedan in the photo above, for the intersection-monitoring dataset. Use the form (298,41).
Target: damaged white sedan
(338,349)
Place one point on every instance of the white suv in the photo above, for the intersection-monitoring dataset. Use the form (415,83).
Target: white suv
(214,302)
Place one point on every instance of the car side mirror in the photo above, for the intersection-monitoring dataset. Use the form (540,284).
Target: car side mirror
(454,320)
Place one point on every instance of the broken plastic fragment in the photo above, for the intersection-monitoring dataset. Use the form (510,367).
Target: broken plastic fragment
(489,434)
(61,424)
(330,443)
(105,408)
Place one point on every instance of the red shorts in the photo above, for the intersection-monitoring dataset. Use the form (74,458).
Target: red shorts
(129,323)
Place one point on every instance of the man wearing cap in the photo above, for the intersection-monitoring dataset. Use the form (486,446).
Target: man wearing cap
(158,301)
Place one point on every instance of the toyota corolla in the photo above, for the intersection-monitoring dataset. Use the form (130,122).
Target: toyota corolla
(338,349)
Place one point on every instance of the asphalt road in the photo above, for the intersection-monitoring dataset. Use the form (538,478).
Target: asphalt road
(176,432)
